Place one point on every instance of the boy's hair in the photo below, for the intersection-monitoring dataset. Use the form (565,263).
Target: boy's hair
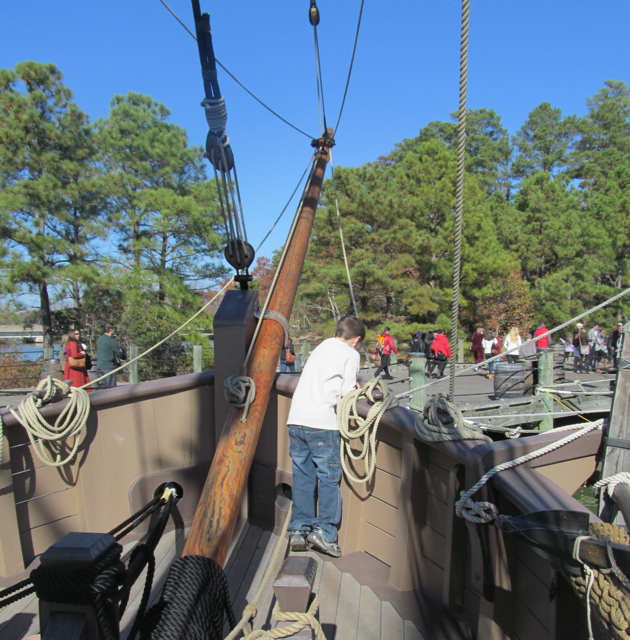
(108,327)
(350,327)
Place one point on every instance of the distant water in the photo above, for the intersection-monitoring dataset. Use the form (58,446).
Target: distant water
(28,351)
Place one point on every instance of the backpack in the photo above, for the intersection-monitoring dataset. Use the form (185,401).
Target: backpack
(380,344)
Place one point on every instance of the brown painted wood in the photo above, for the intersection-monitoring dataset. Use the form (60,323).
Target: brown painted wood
(222,494)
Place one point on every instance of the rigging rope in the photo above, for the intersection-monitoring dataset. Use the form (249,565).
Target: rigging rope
(365,428)
(313,16)
(354,50)
(459,207)
(484,512)
(236,79)
(345,259)
(475,366)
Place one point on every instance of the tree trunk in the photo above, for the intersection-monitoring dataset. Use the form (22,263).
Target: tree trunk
(162,274)
(46,315)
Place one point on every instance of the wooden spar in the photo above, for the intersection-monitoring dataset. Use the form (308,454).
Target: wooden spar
(220,501)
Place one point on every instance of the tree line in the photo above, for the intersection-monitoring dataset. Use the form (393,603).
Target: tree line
(546,224)
(113,220)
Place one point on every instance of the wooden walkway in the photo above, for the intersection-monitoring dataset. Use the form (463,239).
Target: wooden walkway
(350,609)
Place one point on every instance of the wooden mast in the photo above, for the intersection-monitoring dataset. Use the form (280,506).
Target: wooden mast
(222,493)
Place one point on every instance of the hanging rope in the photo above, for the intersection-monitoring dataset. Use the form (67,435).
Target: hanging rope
(44,435)
(366,428)
(442,421)
(345,258)
(459,191)
(475,366)
(485,512)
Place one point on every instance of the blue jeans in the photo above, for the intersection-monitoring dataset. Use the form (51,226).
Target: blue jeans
(316,456)
(285,366)
(490,364)
(108,382)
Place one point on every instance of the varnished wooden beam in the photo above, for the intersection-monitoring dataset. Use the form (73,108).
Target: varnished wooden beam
(221,497)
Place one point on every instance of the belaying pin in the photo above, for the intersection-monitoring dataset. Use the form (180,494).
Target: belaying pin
(313,14)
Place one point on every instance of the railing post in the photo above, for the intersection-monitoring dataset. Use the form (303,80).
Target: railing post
(460,349)
(134,351)
(197,358)
(417,367)
(393,358)
(305,348)
(545,379)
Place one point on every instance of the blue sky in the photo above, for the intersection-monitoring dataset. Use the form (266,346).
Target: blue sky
(406,70)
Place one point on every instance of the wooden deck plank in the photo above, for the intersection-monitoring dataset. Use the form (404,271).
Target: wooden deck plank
(328,598)
(22,623)
(253,574)
(347,618)
(391,623)
(7,614)
(369,615)
(242,560)
(411,631)
(267,599)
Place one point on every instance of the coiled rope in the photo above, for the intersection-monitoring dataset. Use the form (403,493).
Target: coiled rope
(240,392)
(366,428)
(606,589)
(485,512)
(301,620)
(41,433)
(459,189)
(442,421)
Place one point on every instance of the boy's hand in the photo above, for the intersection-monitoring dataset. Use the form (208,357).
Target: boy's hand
(358,385)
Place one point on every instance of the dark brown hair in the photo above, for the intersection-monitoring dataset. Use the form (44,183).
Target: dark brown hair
(350,327)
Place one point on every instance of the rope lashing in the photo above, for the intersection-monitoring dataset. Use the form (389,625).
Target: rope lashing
(605,590)
(301,620)
(216,115)
(96,586)
(251,610)
(68,425)
(442,421)
(608,484)
(459,188)
(240,392)
(366,428)
(279,318)
(589,581)
(485,512)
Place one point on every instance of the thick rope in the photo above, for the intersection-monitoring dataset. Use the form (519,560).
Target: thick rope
(608,484)
(301,620)
(442,421)
(68,424)
(366,428)
(459,190)
(605,591)
(476,365)
(251,610)
(240,392)
(485,512)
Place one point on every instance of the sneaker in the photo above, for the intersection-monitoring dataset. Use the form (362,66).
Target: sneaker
(297,541)
(317,540)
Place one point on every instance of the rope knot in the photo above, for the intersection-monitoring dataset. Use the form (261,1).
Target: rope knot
(478,512)
(250,611)
(240,392)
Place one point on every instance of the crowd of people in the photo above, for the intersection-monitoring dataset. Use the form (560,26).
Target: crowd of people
(589,350)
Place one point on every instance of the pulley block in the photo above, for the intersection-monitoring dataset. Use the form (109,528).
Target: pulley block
(313,14)
(239,254)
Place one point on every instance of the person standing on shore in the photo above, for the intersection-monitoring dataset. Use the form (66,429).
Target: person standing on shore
(476,346)
(543,343)
(388,346)
(490,348)
(512,344)
(615,337)
(75,369)
(108,357)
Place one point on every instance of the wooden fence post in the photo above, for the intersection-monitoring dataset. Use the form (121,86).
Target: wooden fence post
(133,367)
(393,358)
(545,379)
(417,366)
(197,358)
(460,349)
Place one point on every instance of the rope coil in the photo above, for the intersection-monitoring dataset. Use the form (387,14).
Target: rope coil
(216,115)
(365,428)
(300,620)
(68,424)
(442,420)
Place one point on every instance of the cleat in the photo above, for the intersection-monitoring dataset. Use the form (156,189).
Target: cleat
(317,540)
